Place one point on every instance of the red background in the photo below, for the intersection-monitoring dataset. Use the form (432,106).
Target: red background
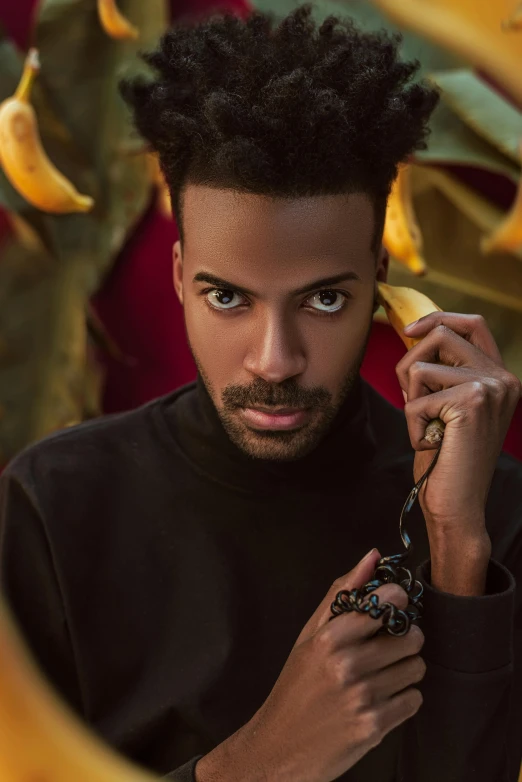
(138,305)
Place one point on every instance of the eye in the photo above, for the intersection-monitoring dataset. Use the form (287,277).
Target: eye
(222,298)
(328,301)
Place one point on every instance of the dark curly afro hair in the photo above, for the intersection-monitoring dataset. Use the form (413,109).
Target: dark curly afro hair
(288,109)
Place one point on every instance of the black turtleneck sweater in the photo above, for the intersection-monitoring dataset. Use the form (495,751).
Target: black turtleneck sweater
(161,577)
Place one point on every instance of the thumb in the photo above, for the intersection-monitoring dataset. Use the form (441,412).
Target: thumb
(359,575)
(354,579)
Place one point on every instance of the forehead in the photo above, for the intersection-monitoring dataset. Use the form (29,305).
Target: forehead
(245,229)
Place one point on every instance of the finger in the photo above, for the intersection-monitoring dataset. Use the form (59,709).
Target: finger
(474,401)
(396,710)
(383,683)
(354,579)
(384,650)
(353,627)
(473,328)
(424,378)
(443,346)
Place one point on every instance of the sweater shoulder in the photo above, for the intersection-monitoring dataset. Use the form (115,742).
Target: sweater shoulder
(111,442)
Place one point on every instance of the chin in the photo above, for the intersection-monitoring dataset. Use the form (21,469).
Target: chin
(277,446)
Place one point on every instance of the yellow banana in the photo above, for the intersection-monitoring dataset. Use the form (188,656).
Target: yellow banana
(113,21)
(508,235)
(402,236)
(23,157)
(403,306)
(40,736)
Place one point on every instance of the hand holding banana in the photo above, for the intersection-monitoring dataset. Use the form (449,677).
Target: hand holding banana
(454,372)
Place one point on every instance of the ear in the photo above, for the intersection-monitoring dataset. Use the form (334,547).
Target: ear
(381,274)
(177,270)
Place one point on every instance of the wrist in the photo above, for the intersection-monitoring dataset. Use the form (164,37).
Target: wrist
(459,565)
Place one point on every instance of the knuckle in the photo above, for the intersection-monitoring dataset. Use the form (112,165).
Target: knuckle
(478,392)
(415,699)
(322,641)
(373,726)
(442,330)
(478,320)
(416,369)
(361,696)
(393,593)
(417,637)
(419,668)
(512,383)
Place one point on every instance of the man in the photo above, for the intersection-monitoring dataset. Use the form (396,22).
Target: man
(172,566)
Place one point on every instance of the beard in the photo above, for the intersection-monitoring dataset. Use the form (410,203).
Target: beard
(277,445)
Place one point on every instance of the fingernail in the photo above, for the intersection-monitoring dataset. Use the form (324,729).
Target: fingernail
(410,325)
(405,395)
(368,555)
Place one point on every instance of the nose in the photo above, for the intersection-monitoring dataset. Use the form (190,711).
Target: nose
(276,351)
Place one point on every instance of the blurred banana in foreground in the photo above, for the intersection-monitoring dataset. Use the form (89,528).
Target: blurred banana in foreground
(402,236)
(40,737)
(515,20)
(508,235)
(113,21)
(403,306)
(23,158)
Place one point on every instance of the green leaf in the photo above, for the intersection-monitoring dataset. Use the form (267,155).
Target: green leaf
(42,346)
(451,139)
(483,109)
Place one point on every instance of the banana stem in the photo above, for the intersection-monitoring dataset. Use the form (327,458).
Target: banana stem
(435,431)
(31,70)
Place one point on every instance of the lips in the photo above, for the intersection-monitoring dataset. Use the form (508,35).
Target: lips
(282,418)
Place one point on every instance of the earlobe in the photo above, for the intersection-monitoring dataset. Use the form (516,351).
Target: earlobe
(383,263)
(177,269)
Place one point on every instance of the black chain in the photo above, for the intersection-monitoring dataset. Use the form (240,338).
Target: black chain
(389,570)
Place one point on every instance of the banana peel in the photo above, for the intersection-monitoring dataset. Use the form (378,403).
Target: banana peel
(23,158)
(113,21)
(402,236)
(508,235)
(403,306)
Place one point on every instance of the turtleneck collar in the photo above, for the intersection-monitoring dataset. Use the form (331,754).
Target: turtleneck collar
(336,461)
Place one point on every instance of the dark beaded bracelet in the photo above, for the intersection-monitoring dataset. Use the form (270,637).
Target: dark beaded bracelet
(389,570)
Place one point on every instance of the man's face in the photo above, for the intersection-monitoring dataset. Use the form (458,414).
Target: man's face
(278,297)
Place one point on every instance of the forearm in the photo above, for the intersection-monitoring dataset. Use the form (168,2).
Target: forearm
(230,761)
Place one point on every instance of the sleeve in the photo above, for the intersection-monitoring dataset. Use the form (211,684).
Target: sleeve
(185,773)
(463,731)
(30,587)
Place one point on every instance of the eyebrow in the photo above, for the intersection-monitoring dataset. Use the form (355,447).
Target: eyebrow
(321,283)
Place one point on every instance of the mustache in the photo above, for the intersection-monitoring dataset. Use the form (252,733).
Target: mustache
(288,394)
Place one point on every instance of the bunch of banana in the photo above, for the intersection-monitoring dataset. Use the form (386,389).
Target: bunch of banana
(403,306)
(41,738)
(402,236)
(113,21)
(508,235)
(23,158)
